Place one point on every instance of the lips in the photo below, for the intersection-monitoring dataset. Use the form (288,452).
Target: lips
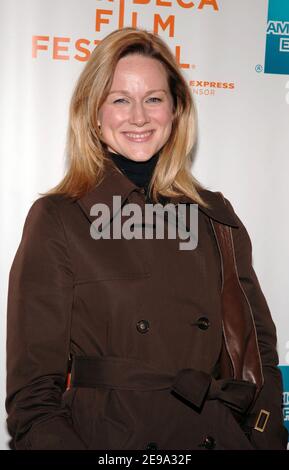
(138,136)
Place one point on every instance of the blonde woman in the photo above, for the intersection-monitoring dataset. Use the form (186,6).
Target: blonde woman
(116,340)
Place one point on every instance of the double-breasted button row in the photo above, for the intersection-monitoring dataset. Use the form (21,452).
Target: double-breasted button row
(143,326)
(208,443)
(203,323)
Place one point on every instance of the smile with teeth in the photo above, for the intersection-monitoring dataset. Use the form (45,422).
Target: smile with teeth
(138,137)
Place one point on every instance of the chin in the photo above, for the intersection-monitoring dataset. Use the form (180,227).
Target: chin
(140,156)
(136,153)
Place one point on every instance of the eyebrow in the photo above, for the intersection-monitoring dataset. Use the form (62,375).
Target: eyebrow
(125,92)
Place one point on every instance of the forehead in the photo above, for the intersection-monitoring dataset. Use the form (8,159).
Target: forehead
(136,69)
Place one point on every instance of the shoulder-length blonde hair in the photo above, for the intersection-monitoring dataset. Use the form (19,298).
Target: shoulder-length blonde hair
(87,153)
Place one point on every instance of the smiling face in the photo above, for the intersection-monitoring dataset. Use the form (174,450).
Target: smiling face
(136,117)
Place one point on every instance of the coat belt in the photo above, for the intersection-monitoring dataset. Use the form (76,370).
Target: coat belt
(192,385)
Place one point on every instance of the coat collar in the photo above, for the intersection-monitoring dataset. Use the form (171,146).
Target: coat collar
(218,210)
(116,183)
(113,183)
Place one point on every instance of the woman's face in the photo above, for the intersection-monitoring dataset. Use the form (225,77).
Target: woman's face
(136,117)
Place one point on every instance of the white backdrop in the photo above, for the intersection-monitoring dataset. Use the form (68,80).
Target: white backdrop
(243,128)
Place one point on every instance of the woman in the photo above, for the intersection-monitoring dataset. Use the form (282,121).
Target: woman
(138,320)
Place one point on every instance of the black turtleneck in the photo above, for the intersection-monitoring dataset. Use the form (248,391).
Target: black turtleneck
(140,173)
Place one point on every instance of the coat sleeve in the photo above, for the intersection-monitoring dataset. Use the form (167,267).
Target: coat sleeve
(40,297)
(275,434)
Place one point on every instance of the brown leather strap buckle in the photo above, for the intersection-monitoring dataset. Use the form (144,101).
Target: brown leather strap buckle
(262,420)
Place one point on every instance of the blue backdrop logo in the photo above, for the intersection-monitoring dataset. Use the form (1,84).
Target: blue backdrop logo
(277,41)
(285,375)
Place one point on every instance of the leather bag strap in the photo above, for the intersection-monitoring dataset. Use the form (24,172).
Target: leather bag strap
(240,357)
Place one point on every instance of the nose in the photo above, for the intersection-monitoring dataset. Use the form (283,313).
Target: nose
(139,115)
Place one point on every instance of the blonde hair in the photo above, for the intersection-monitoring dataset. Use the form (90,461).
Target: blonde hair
(87,154)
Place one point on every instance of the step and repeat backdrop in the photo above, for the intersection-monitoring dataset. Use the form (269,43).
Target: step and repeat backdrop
(235,57)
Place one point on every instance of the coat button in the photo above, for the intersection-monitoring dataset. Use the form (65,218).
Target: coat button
(209,443)
(203,323)
(151,446)
(142,326)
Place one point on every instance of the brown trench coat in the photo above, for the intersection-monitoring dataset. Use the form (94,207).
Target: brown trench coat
(147,310)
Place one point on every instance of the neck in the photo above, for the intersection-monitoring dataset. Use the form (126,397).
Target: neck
(140,173)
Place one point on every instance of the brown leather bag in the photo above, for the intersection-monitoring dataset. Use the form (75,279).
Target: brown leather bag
(240,357)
